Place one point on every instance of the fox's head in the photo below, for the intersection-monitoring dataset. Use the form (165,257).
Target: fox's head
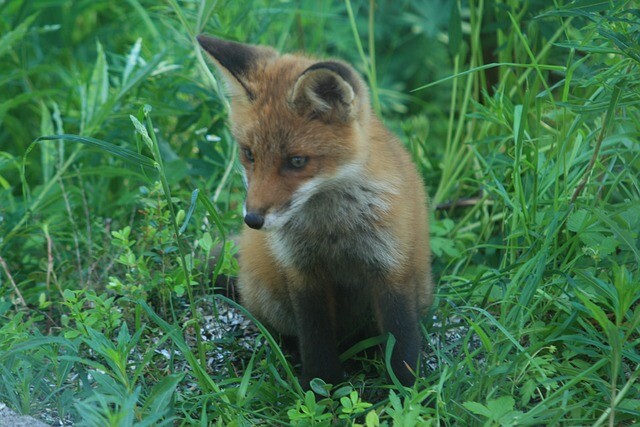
(300,124)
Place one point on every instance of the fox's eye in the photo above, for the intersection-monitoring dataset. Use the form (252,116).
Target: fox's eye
(297,162)
(248,155)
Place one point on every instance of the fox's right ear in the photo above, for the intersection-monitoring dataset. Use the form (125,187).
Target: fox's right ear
(237,61)
(330,91)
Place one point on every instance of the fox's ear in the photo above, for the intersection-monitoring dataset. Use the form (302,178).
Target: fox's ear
(237,61)
(330,91)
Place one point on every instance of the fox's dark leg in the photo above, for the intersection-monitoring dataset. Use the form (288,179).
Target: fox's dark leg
(227,286)
(398,315)
(316,334)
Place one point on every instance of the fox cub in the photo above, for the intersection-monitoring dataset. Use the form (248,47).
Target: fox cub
(337,237)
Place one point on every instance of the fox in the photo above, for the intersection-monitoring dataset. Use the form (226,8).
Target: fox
(336,235)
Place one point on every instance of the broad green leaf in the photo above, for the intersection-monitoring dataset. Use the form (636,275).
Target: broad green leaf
(372,419)
(500,407)
(477,408)
(577,220)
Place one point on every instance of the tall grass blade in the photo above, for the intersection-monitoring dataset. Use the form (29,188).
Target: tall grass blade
(118,151)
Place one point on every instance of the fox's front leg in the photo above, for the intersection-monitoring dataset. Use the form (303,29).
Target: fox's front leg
(398,314)
(313,309)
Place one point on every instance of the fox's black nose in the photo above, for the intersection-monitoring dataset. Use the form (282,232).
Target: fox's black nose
(254,220)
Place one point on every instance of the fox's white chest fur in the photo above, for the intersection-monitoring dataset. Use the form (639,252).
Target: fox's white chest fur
(335,227)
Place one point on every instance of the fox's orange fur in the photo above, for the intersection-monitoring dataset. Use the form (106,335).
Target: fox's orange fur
(339,236)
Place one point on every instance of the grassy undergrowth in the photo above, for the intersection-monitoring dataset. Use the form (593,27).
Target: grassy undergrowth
(117,178)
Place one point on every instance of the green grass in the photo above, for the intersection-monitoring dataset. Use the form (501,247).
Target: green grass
(118,177)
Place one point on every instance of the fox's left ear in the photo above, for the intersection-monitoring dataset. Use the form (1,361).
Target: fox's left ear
(330,91)
(238,62)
